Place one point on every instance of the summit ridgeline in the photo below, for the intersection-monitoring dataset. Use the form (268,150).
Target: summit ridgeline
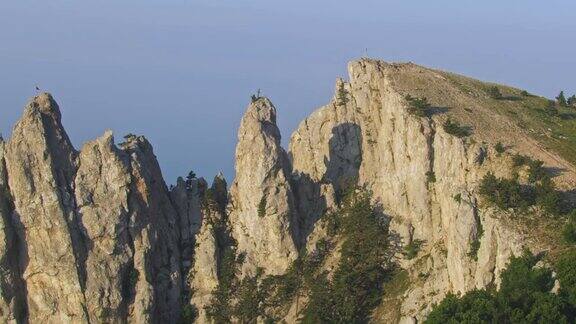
(410,184)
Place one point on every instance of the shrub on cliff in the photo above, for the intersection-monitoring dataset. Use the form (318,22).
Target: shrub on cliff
(418,106)
(499,148)
(509,193)
(569,231)
(356,286)
(561,99)
(506,193)
(452,127)
(524,297)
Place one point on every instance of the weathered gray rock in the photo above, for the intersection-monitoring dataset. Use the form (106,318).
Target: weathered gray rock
(41,164)
(95,232)
(102,187)
(96,236)
(366,133)
(12,300)
(156,274)
(187,198)
(262,209)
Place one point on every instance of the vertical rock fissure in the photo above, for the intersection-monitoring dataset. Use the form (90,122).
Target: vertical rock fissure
(13,287)
(64,168)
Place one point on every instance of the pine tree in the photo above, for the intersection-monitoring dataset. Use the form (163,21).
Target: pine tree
(572,100)
(342,95)
(561,99)
(191,176)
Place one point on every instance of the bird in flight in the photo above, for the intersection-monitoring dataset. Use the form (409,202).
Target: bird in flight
(37,88)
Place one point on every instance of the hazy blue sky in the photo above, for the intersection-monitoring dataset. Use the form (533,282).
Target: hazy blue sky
(181,72)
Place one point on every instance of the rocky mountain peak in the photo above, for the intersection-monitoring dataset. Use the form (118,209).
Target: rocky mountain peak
(45,104)
(95,235)
(262,212)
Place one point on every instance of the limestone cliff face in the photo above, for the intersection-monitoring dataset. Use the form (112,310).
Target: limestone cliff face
(95,235)
(153,229)
(95,229)
(262,210)
(101,189)
(12,303)
(212,238)
(41,164)
(187,197)
(425,178)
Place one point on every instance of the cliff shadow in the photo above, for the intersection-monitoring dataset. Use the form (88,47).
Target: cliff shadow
(435,110)
(342,170)
(344,158)
(554,171)
(396,246)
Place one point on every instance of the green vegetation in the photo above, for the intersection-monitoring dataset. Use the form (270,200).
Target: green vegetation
(494,92)
(499,148)
(524,297)
(262,207)
(430,177)
(356,286)
(536,171)
(549,199)
(555,131)
(525,93)
(342,95)
(520,160)
(134,274)
(257,296)
(454,128)
(189,178)
(411,250)
(249,297)
(569,231)
(418,106)
(572,100)
(188,314)
(509,193)
(458,198)
(561,99)
(475,244)
(566,274)
(220,308)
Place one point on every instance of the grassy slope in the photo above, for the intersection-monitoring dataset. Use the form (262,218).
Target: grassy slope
(520,122)
(557,133)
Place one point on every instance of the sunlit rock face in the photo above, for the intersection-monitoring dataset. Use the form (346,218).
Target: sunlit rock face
(95,235)
(262,211)
(96,228)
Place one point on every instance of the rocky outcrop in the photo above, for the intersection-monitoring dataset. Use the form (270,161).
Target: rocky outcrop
(425,178)
(187,198)
(41,164)
(262,211)
(153,220)
(101,189)
(211,241)
(203,227)
(12,298)
(95,230)
(96,236)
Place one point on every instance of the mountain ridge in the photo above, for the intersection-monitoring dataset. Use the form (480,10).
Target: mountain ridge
(97,236)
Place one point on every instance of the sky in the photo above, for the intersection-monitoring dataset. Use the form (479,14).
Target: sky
(182,72)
